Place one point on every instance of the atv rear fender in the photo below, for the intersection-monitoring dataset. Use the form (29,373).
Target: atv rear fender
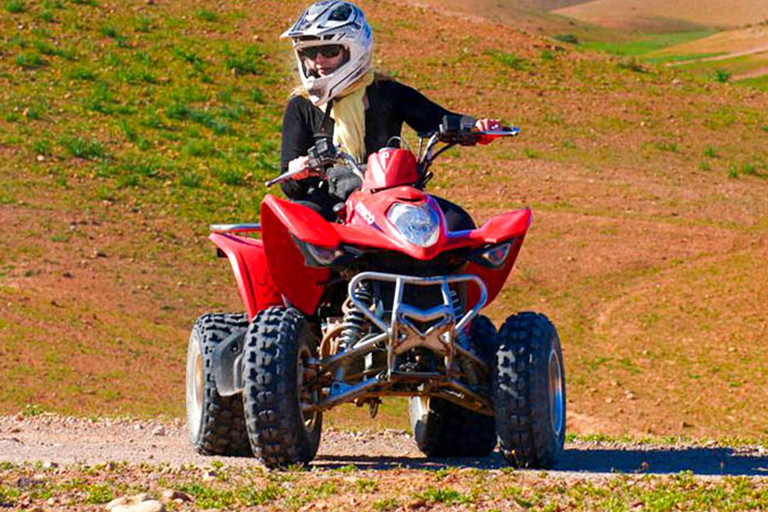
(249,264)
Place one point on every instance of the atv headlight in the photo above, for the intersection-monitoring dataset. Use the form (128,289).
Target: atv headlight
(419,224)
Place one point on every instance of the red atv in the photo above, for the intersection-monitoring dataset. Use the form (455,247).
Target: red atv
(384,302)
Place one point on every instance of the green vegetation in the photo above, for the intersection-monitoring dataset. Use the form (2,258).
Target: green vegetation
(15,6)
(144,79)
(640,44)
(129,127)
(245,488)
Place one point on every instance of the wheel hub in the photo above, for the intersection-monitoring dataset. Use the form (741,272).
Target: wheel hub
(306,397)
(556,394)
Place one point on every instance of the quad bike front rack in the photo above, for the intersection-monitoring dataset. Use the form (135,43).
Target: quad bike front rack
(401,334)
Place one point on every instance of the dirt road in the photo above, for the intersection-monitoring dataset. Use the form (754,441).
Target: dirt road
(76,440)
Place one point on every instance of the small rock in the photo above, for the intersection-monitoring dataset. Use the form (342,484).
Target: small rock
(50,464)
(609,400)
(25,482)
(158,431)
(174,495)
(138,426)
(41,158)
(142,506)
(209,475)
(677,81)
(67,274)
(98,254)
(123,500)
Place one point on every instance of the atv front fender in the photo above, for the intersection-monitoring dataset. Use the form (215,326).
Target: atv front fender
(249,264)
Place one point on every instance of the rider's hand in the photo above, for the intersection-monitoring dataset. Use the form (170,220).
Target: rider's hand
(488,125)
(301,164)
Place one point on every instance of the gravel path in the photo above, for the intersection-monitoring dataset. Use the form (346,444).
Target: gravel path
(67,440)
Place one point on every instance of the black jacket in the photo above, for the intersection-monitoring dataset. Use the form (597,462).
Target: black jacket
(390,104)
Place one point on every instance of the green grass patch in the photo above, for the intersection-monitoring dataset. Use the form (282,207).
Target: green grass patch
(646,43)
(15,6)
(665,59)
(509,60)
(29,60)
(206,15)
(445,495)
(79,147)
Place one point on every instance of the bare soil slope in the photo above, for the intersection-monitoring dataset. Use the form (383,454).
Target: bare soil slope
(127,128)
(626,13)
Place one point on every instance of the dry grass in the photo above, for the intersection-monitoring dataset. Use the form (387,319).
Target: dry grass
(636,180)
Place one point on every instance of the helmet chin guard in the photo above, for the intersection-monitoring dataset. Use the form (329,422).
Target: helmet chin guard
(332,22)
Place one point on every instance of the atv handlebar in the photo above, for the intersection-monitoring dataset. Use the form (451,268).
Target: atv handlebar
(322,154)
(452,131)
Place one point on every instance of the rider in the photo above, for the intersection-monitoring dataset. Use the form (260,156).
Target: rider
(342,97)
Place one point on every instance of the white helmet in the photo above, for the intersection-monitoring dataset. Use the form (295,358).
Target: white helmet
(332,22)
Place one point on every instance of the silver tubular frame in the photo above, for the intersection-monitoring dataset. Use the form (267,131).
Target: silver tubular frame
(402,334)
(235,228)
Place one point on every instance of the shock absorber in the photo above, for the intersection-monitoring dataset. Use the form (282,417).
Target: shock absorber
(462,339)
(354,320)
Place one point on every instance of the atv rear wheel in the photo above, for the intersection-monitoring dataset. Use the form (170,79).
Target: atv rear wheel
(216,424)
(277,346)
(529,391)
(445,429)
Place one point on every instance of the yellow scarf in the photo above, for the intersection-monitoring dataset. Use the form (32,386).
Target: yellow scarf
(348,113)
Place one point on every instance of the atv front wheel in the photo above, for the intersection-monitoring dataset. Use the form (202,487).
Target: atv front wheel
(277,347)
(529,391)
(445,429)
(216,423)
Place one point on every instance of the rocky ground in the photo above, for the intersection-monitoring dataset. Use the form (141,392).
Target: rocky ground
(71,440)
(50,462)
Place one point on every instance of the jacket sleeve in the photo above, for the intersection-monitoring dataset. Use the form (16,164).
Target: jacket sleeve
(297,139)
(418,112)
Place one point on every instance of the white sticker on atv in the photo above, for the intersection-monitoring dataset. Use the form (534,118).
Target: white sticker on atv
(365,213)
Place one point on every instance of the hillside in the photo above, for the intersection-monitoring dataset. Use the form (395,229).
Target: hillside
(630,13)
(126,128)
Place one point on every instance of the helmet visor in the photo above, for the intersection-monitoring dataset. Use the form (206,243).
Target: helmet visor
(329,51)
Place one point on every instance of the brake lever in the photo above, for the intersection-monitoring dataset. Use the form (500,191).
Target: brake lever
(321,154)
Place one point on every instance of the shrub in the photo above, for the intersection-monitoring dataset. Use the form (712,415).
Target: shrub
(109,31)
(206,15)
(567,38)
(722,76)
(15,6)
(631,64)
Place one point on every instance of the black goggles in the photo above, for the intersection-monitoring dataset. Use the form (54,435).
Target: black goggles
(328,51)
